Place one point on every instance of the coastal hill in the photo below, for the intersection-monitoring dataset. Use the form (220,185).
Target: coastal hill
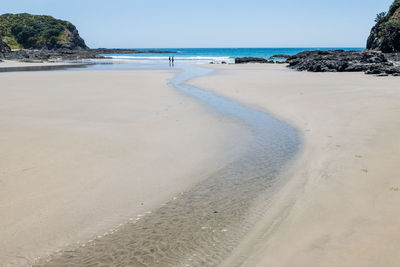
(39,37)
(385,35)
(26,31)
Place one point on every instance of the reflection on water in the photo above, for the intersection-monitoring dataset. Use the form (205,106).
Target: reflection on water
(202,226)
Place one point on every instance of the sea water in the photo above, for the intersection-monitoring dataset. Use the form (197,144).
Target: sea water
(207,55)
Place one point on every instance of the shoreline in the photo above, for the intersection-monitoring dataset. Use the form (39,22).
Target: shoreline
(92,152)
(339,201)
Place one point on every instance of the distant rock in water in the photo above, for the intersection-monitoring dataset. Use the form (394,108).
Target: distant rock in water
(241,60)
(25,31)
(385,35)
(280,56)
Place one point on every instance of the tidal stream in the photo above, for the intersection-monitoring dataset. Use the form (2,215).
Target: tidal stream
(202,226)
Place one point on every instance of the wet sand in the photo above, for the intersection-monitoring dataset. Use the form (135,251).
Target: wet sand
(203,225)
(82,152)
(20,64)
(340,205)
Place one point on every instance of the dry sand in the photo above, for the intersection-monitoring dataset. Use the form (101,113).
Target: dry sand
(82,152)
(341,204)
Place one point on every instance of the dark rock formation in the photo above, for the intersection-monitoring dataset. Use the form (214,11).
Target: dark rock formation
(341,61)
(59,54)
(385,35)
(241,60)
(3,49)
(280,56)
(67,54)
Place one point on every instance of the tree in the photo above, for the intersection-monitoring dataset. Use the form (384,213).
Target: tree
(380,16)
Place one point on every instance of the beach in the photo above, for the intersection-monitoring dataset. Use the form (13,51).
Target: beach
(339,206)
(85,151)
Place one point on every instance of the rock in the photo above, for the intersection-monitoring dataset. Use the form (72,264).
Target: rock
(65,54)
(385,35)
(341,61)
(59,54)
(242,60)
(4,48)
(280,56)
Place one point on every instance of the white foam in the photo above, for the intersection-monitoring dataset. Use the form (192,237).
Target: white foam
(167,57)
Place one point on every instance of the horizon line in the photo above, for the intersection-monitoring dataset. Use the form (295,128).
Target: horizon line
(229,47)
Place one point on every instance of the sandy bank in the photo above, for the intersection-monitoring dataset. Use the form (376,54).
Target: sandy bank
(82,152)
(340,207)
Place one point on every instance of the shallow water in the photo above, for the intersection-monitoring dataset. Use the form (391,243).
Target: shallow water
(203,225)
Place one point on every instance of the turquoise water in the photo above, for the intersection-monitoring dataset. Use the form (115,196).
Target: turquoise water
(216,55)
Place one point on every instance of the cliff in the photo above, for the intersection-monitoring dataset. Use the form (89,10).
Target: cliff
(25,31)
(385,35)
(4,48)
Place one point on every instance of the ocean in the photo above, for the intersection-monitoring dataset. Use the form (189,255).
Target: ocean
(215,55)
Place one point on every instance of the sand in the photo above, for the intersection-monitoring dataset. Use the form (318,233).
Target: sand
(13,64)
(83,151)
(340,204)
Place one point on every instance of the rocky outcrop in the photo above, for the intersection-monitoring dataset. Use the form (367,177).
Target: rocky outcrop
(59,54)
(4,49)
(68,54)
(342,61)
(242,60)
(385,35)
(280,56)
(70,40)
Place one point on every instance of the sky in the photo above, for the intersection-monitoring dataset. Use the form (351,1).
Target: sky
(212,23)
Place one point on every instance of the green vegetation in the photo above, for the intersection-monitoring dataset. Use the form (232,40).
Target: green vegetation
(380,17)
(37,32)
(385,35)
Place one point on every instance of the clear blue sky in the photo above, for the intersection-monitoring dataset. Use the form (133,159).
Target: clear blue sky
(212,23)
